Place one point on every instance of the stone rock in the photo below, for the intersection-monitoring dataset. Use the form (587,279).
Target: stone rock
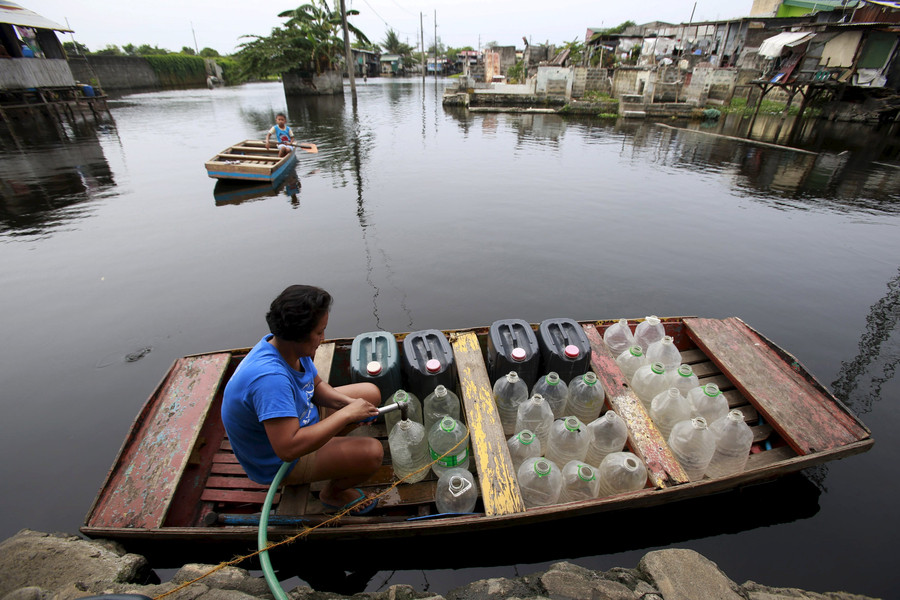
(565,581)
(226,578)
(755,591)
(26,593)
(56,561)
(681,574)
(218,594)
(491,589)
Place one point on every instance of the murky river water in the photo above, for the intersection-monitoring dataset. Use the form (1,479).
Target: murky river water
(120,255)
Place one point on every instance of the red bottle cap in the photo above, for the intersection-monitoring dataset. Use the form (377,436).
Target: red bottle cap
(572,351)
(519,354)
(373,368)
(433,365)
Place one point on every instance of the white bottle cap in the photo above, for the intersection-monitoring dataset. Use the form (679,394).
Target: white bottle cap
(572,351)
(373,368)
(519,354)
(433,365)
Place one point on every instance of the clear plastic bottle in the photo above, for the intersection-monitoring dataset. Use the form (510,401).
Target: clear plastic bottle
(648,331)
(540,482)
(631,360)
(569,440)
(733,440)
(414,412)
(586,397)
(509,392)
(648,381)
(580,482)
(444,435)
(683,378)
(621,472)
(555,392)
(456,491)
(409,450)
(693,445)
(535,414)
(664,351)
(439,403)
(668,408)
(608,434)
(523,445)
(709,402)
(618,337)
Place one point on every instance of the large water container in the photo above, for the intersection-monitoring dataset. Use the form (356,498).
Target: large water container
(664,351)
(668,408)
(683,378)
(456,491)
(693,445)
(586,397)
(580,482)
(523,445)
(648,381)
(428,362)
(733,440)
(535,415)
(555,392)
(709,402)
(648,331)
(569,440)
(446,434)
(409,451)
(608,434)
(540,482)
(375,357)
(630,361)
(564,348)
(439,403)
(414,409)
(618,337)
(513,346)
(509,393)
(621,472)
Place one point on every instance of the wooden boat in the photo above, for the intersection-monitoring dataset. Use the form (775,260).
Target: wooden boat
(249,161)
(176,480)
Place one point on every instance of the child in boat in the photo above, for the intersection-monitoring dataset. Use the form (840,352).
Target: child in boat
(277,409)
(284,137)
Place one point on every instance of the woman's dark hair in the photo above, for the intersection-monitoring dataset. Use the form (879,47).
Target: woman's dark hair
(296,311)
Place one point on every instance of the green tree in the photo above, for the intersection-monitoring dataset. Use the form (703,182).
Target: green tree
(209,53)
(576,51)
(393,45)
(148,50)
(75,48)
(188,50)
(129,49)
(110,50)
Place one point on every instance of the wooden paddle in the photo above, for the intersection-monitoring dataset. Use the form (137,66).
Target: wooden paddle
(308,146)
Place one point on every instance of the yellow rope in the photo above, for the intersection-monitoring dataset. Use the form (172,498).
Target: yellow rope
(307,530)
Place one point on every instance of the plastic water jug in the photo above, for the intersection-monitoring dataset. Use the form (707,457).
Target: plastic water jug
(630,361)
(586,397)
(456,492)
(509,393)
(409,450)
(621,472)
(444,435)
(555,392)
(564,348)
(437,404)
(683,378)
(535,414)
(580,482)
(648,381)
(709,402)
(428,362)
(648,331)
(664,351)
(693,445)
(618,337)
(569,440)
(523,445)
(512,346)
(414,410)
(375,357)
(668,408)
(733,440)
(607,434)
(540,482)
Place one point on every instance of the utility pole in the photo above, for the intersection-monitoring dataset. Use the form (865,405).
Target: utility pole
(422,45)
(348,53)
(435,44)
(196,48)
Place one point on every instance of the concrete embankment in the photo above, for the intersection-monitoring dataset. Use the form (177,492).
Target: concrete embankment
(41,566)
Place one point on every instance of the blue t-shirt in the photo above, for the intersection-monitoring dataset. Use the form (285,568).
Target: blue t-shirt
(264,387)
(282,136)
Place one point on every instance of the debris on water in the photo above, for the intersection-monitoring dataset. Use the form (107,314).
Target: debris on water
(138,354)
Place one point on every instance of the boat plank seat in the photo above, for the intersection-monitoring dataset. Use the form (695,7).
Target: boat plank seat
(247,157)
(794,405)
(496,475)
(146,474)
(644,438)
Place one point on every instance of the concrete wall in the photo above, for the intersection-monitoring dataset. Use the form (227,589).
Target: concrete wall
(629,81)
(114,73)
(711,83)
(24,73)
(311,84)
(555,81)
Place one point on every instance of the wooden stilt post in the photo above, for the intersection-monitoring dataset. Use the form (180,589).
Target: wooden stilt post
(762,94)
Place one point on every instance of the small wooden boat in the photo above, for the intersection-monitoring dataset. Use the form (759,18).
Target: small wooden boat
(250,161)
(176,480)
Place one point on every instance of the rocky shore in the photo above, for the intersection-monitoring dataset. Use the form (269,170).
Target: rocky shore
(42,566)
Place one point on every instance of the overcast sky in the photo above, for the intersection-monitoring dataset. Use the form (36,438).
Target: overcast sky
(219,24)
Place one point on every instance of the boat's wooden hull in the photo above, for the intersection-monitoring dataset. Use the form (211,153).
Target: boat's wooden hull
(249,161)
(176,474)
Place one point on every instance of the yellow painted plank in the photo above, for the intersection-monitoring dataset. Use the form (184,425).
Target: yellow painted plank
(496,475)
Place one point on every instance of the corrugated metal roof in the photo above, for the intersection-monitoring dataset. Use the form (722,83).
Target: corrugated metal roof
(884,3)
(16,15)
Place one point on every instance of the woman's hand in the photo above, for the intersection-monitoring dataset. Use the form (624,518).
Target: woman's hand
(359,410)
